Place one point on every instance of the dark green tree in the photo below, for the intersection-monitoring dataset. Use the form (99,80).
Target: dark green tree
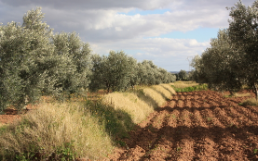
(198,73)
(220,66)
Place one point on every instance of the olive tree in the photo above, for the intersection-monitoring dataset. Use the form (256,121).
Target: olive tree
(243,33)
(182,75)
(113,72)
(75,65)
(221,64)
(150,74)
(198,73)
(26,60)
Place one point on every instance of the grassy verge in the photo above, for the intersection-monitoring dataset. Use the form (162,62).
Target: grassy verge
(184,84)
(238,95)
(249,102)
(191,88)
(87,128)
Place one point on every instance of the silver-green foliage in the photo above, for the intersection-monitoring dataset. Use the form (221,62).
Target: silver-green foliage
(150,74)
(74,69)
(33,61)
(112,72)
(25,59)
(117,71)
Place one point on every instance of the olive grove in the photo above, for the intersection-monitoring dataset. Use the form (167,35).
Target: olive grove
(34,62)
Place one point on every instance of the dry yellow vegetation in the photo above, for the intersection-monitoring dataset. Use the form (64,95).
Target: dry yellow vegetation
(236,94)
(250,102)
(184,84)
(88,129)
(130,103)
(53,126)
(241,94)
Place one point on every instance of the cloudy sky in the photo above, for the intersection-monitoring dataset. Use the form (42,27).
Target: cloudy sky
(168,32)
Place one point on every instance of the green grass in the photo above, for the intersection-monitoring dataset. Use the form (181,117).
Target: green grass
(191,89)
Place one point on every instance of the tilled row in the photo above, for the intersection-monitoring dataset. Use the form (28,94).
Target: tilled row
(196,126)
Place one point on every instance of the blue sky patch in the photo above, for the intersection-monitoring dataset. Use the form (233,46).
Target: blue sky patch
(145,12)
(200,34)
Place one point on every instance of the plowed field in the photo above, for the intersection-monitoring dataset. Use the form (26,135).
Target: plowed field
(195,126)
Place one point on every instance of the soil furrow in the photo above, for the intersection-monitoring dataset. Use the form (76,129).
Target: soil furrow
(201,126)
(246,112)
(253,109)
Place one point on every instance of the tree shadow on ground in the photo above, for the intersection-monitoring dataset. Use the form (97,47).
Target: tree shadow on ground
(168,89)
(149,137)
(147,99)
(162,94)
(117,122)
(219,138)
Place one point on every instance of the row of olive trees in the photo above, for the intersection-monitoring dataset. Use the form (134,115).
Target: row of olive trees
(34,61)
(117,71)
(232,59)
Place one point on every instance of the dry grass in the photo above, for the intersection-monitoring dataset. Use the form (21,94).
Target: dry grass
(130,103)
(250,102)
(84,130)
(154,98)
(163,91)
(54,126)
(184,84)
(136,106)
(242,94)
(169,88)
(237,95)
(1,124)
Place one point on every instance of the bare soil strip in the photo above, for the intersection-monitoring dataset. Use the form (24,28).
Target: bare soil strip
(195,126)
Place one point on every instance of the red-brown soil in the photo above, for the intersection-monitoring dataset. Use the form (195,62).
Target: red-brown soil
(200,125)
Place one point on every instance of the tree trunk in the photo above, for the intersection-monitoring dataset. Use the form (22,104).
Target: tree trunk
(108,89)
(255,91)
(231,93)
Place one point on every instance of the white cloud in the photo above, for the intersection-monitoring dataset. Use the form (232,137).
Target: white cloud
(160,50)
(99,24)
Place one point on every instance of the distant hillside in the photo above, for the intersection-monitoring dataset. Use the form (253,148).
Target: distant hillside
(174,72)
